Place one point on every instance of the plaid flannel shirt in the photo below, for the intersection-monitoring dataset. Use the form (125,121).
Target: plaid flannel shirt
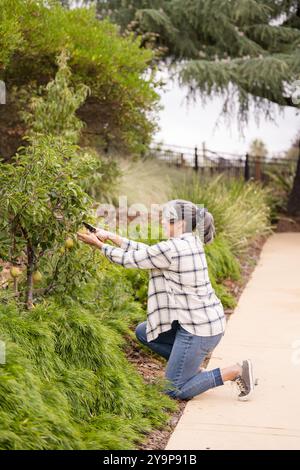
(179,285)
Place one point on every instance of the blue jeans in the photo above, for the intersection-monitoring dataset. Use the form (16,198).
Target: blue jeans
(185,353)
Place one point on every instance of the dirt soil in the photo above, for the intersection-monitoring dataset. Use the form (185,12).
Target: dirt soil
(288,224)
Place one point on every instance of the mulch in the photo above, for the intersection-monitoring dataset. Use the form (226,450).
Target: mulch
(288,224)
(151,366)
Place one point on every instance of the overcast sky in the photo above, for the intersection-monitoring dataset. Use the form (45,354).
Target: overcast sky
(191,125)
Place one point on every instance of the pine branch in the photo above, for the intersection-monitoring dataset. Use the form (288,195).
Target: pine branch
(272,36)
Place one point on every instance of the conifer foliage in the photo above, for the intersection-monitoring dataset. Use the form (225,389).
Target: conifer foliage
(247,51)
(250,48)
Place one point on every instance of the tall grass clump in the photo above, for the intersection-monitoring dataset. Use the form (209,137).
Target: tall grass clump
(241,210)
(280,184)
(241,213)
(67,384)
(147,180)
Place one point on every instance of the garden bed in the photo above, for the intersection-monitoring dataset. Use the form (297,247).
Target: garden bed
(288,224)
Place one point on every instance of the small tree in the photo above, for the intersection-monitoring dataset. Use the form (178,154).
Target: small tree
(42,201)
(258,148)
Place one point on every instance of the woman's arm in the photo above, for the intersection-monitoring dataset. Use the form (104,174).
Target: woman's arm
(122,242)
(158,256)
(127,244)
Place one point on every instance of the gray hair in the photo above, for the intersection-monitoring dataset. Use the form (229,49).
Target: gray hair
(195,216)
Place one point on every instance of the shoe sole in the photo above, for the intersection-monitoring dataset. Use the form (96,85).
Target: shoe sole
(251,382)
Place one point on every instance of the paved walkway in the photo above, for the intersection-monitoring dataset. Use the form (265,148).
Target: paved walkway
(266,328)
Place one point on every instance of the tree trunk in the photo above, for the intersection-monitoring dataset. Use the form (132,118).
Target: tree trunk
(16,288)
(293,207)
(30,269)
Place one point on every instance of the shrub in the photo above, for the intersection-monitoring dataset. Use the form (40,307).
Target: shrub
(123,97)
(48,201)
(280,186)
(67,384)
(241,212)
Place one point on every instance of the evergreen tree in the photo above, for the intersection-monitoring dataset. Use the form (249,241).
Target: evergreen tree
(247,51)
(244,48)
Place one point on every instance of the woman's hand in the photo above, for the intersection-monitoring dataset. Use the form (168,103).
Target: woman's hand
(102,234)
(90,239)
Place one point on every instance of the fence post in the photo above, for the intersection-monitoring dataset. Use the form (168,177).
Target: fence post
(203,153)
(196,159)
(257,168)
(181,160)
(247,168)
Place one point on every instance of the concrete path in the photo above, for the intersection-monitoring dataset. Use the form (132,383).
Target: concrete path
(266,328)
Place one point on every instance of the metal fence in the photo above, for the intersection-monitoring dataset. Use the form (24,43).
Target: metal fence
(209,163)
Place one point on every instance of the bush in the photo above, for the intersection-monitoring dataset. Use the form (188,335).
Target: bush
(280,186)
(118,111)
(222,265)
(241,212)
(67,383)
(48,201)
